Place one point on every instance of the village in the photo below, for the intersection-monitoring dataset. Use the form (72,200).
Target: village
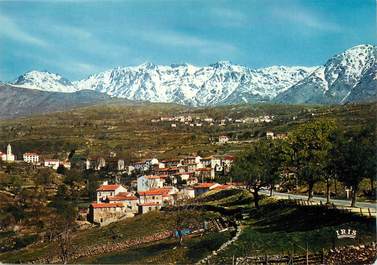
(188,120)
(155,183)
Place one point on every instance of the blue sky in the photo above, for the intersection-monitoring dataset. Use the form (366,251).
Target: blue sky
(78,39)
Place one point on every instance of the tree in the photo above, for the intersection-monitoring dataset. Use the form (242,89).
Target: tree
(311,146)
(277,157)
(356,159)
(260,166)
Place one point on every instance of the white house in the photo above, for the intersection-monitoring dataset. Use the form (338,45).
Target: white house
(149,182)
(106,190)
(186,193)
(52,163)
(31,158)
(121,165)
(269,135)
(223,139)
(8,157)
(215,161)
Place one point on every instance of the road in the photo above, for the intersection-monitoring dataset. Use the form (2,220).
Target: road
(346,203)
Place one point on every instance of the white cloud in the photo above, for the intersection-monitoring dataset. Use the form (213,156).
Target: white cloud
(305,17)
(74,32)
(11,30)
(228,17)
(176,39)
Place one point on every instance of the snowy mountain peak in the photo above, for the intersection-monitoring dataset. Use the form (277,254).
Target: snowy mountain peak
(222,63)
(44,80)
(226,83)
(337,79)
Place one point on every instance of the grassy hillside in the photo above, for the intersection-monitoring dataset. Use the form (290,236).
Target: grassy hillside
(277,228)
(281,227)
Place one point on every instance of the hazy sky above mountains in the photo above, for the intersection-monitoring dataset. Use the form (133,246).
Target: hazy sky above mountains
(77,39)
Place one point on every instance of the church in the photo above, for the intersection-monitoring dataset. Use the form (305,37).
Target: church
(8,157)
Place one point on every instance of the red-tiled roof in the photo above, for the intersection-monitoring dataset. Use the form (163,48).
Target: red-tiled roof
(204,185)
(153,177)
(106,205)
(149,204)
(187,173)
(229,157)
(52,160)
(161,191)
(108,187)
(205,169)
(122,198)
(167,169)
(223,187)
(30,154)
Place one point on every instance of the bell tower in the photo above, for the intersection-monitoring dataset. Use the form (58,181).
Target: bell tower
(9,150)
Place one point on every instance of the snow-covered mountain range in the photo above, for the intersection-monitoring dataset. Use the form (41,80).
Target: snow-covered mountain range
(349,76)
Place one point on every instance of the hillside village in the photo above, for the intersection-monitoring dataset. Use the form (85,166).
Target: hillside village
(156,183)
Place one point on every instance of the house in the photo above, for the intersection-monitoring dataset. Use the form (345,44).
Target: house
(148,207)
(189,160)
(206,161)
(187,168)
(149,182)
(162,196)
(205,173)
(192,181)
(216,162)
(9,156)
(204,187)
(52,163)
(96,163)
(121,165)
(66,164)
(171,162)
(128,199)
(106,190)
(223,139)
(106,213)
(269,135)
(281,136)
(185,175)
(167,171)
(31,158)
(227,163)
(186,193)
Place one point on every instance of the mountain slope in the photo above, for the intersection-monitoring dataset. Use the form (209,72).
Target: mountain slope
(334,82)
(17,101)
(366,89)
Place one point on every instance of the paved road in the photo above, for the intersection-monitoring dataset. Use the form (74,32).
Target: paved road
(315,198)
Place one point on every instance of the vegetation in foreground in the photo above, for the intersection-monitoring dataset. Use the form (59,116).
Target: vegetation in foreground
(283,228)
